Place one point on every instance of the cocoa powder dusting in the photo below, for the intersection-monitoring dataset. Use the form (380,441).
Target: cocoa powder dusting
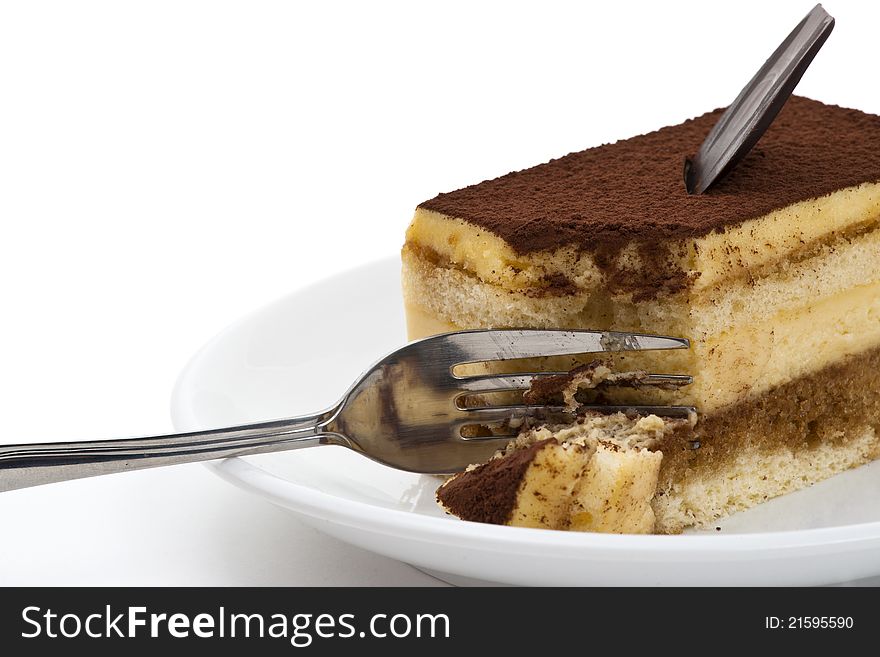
(488,492)
(604,198)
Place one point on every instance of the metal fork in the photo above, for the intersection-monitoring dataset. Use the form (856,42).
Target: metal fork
(406,412)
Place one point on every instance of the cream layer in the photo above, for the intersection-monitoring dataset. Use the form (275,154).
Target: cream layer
(747,359)
(459,298)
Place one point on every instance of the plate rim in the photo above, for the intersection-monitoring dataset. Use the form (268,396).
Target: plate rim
(369,517)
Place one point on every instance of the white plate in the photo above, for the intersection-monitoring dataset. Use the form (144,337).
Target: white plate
(300,353)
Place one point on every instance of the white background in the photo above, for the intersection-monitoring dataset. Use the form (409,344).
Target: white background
(166,167)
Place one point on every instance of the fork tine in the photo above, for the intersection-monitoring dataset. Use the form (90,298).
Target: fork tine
(522,381)
(480,414)
(506,344)
(502,382)
(662,411)
(501,413)
(672,379)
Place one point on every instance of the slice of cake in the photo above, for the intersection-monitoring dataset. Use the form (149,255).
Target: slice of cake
(598,474)
(774,275)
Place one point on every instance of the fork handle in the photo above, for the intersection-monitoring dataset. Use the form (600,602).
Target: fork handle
(22,466)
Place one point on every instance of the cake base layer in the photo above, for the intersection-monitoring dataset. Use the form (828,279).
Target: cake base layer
(786,439)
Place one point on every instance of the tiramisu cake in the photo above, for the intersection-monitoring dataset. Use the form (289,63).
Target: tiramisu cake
(773,274)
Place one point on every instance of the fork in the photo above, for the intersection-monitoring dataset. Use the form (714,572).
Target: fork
(406,411)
